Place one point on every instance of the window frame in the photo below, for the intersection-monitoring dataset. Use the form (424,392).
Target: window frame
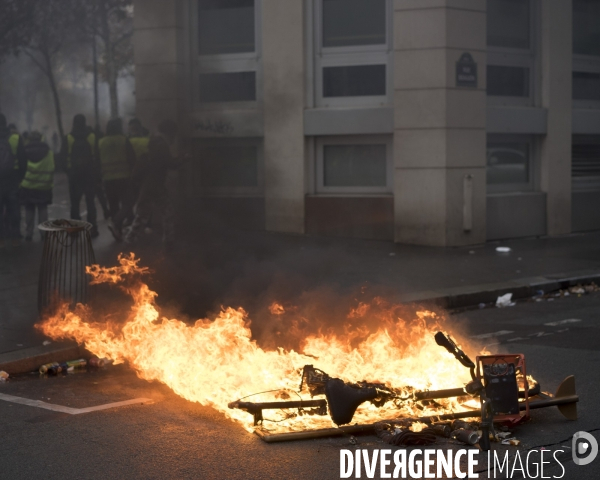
(350,56)
(517,57)
(533,183)
(321,142)
(227,63)
(257,191)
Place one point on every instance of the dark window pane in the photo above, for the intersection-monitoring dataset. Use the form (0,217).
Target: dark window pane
(234,166)
(228,87)
(353,22)
(507,163)
(363,80)
(508,23)
(586,27)
(225,26)
(354,165)
(507,81)
(585,164)
(586,86)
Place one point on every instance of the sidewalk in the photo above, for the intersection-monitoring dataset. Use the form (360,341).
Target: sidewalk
(251,269)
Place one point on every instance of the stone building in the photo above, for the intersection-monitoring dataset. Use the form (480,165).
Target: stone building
(432,122)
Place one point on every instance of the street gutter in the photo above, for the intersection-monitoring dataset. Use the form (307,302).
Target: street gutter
(468,296)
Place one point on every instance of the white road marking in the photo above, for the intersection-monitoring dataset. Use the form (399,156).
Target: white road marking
(516,338)
(563,322)
(70,410)
(494,334)
(539,334)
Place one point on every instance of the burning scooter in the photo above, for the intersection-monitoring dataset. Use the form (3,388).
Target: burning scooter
(500,383)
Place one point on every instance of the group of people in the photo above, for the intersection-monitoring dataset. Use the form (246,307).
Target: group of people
(127,173)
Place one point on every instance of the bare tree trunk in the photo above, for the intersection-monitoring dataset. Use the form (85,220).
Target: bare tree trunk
(46,68)
(52,81)
(112,84)
(111,71)
(95,62)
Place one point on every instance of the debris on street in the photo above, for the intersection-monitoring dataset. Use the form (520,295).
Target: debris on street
(95,362)
(3,376)
(54,368)
(468,437)
(505,301)
(577,290)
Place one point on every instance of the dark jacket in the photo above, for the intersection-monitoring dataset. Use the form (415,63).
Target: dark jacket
(13,179)
(36,151)
(151,170)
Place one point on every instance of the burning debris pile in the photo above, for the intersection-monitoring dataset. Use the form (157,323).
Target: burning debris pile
(409,377)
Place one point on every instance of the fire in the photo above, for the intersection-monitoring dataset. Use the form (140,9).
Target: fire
(276,309)
(216,361)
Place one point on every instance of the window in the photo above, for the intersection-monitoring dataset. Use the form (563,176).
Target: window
(228,50)
(510,41)
(586,86)
(356,81)
(508,81)
(225,26)
(509,163)
(353,48)
(586,30)
(358,164)
(586,53)
(585,166)
(508,24)
(230,167)
(349,23)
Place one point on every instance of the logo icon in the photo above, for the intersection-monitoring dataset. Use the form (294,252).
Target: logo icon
(584,448)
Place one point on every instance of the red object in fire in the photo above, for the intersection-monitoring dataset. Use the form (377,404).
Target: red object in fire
(500,375)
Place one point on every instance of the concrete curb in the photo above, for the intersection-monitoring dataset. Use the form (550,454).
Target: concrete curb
(29,359)
(461,297)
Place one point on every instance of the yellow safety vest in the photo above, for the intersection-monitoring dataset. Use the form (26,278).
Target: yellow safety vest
(13,141)
(113,157)
(91,139)
(140,145)
(40,175)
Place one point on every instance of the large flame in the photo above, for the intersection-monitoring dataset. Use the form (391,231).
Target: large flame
(216,361)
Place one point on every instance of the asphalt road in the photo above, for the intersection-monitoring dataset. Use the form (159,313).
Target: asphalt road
(173,438)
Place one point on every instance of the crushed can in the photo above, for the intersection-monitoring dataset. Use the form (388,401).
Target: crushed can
(468,437)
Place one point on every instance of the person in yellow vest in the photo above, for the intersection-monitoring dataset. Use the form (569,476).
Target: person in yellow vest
(80,159)
(139,138)
(13,164)
(36,187)
(117,159)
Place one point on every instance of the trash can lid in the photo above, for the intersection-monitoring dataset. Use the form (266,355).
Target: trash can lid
(62,224)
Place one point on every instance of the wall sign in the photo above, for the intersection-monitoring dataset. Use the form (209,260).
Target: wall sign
(466,71)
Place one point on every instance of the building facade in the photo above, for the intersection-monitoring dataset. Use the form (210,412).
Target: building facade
(432,122)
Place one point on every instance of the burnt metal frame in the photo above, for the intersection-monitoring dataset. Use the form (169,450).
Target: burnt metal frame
(256,408)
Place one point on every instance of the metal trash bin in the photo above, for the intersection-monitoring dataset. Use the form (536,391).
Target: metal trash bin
(67,251)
